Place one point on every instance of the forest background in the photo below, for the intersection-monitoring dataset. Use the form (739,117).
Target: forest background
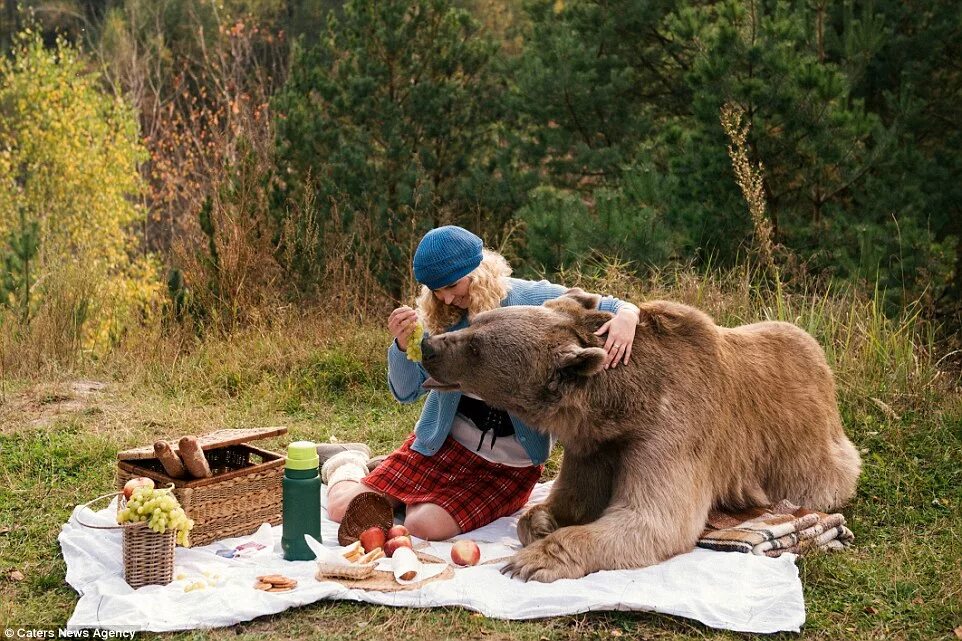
(220,157)
(208,207)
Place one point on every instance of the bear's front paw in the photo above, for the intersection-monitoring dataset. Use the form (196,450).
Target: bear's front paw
(545,561)
(535,524)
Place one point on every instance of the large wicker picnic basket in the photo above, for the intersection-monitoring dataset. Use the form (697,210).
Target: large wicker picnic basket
(243,492)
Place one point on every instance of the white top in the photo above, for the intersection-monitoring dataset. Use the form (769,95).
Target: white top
(507,450)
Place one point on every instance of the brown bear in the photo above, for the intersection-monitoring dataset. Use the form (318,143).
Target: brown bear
(702,417)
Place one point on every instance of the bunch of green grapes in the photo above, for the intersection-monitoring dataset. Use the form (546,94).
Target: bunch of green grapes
(160,508)
(414,343)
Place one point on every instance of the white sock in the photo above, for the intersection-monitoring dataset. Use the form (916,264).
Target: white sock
(348,459)
(348,472)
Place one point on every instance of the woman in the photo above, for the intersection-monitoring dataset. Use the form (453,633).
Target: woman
(466,464)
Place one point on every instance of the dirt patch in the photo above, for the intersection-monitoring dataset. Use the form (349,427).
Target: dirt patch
(44,403)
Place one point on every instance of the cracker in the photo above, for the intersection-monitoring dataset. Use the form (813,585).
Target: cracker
(372,556)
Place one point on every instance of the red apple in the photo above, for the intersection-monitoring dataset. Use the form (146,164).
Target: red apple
(465,552)
(397,530)
(372,538)
(397,542)
(134,483)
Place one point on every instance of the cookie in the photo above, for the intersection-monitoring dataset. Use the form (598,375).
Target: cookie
(286,584)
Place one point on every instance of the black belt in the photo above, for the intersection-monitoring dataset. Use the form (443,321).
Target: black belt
(486,419)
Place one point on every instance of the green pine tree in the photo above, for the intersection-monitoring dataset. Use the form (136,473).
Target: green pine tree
(388,111)
(19,269)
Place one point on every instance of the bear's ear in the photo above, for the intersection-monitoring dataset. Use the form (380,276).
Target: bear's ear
(580,361)
(666,317)
(575,299)
(588,301)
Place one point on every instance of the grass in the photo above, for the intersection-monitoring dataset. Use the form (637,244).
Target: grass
(902,580)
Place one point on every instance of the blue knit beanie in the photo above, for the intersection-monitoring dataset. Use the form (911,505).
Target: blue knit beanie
(445,255)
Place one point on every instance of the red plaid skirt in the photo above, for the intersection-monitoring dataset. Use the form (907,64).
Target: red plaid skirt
(472,490)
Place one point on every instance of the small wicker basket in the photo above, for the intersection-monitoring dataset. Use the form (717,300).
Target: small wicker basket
(148,557)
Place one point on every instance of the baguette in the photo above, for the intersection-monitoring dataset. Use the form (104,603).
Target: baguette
(194,459)
(169,459)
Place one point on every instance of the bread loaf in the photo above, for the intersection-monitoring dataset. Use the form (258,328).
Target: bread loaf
(169,459)
(194,458)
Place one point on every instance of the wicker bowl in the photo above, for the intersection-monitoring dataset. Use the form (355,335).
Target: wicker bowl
(364,511)
(355,571)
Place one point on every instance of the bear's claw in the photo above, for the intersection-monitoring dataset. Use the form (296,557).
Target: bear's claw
(535,524)
(544,561)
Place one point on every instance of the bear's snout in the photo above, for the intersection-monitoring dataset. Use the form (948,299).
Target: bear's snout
(428,352)
(439,362)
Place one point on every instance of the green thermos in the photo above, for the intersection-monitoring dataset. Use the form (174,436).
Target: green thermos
(302,500)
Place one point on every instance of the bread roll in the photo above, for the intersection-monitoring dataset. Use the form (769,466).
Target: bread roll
(169,459)
(194,458)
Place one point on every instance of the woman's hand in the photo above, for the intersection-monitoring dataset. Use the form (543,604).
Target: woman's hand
(401,324)
(621,333)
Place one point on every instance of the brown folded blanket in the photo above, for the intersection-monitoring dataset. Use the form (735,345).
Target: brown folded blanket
(772,531)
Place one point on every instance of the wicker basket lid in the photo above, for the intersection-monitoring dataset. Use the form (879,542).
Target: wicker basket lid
(220,438)
(364,511)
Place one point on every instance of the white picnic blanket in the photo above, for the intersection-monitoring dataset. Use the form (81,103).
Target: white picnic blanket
(741,592)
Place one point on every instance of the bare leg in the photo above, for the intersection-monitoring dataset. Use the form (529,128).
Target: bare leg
(340,494)
(431,522)
(424,520)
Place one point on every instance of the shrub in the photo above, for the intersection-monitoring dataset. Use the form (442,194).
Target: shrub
(69,190)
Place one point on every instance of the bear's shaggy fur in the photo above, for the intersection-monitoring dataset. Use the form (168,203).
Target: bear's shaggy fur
(702,417)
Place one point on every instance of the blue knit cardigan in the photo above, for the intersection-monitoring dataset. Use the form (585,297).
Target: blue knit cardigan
(405,378)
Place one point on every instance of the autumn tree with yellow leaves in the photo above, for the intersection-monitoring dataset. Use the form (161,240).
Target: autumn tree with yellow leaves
(70,197)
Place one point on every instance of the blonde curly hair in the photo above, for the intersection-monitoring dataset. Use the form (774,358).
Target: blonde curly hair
(489,286)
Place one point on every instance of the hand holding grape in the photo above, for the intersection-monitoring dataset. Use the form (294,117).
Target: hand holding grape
(401,323)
